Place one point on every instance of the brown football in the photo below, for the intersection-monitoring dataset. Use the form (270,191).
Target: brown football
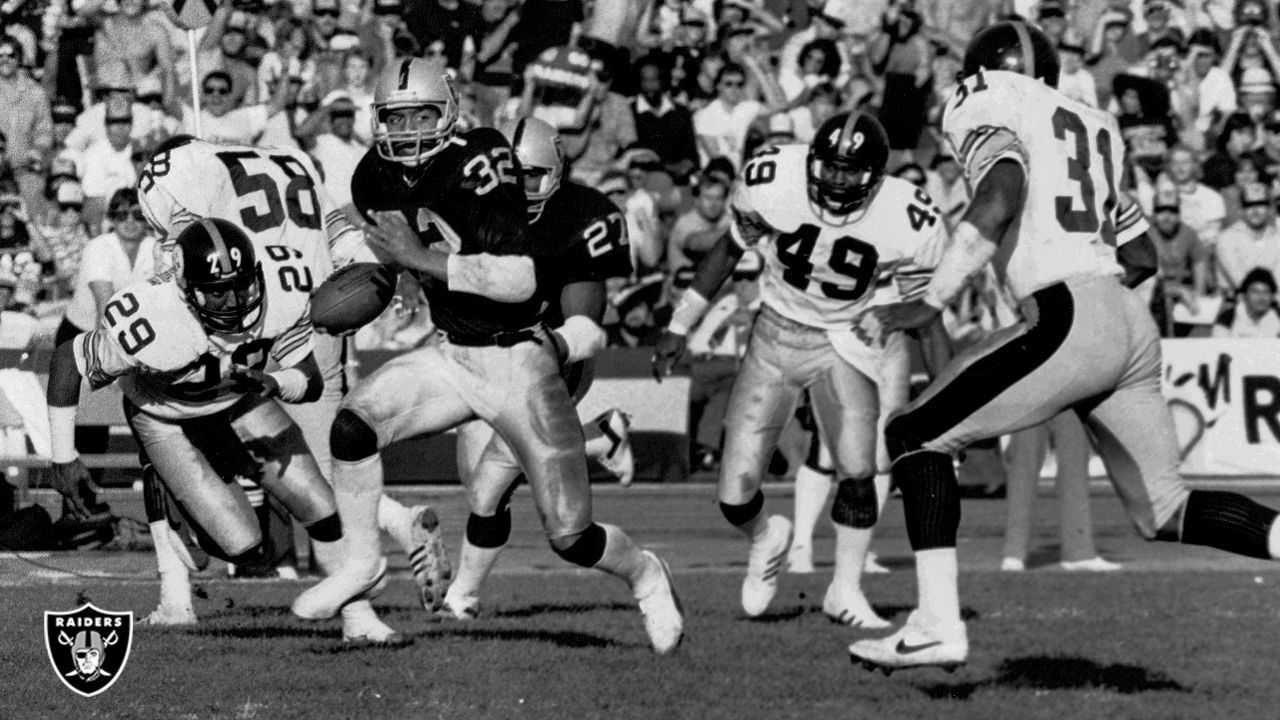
(353,296)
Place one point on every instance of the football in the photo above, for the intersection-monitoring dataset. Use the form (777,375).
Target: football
(353,296)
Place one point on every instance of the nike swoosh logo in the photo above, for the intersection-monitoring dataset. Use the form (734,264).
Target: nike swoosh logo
(904,649)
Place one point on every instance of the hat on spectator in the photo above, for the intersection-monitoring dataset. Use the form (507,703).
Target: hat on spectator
(638,156)
(326,7)
(1170,39)
(342,105)
(1257,80)
(1050,9)
(645,291)
(1150,6)
(1254,194)
(69,192)
(1153,94)
(1206,39)
(1122,17)
(1259,275)
(722,166)
(63,111)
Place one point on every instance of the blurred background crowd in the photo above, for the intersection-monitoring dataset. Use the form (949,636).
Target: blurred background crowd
(659,102)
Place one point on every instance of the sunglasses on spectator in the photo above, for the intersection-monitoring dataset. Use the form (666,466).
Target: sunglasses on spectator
(71,206)
(217,90)
(134,213)
(733,83)
(332,12)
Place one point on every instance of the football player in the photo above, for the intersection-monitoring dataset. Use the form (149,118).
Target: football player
(1065,242)
(829,223)
(276,197)
(217,340)
(579,238)
(451,208)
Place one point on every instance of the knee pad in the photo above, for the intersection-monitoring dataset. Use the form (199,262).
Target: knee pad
(930,499)
(584,549)
(742,514)
(901,438)
(351,439)
(1227,521)
(327,529)
(491,531)
(155,498)
(856,504)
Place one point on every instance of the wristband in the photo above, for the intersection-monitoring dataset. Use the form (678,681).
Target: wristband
(62,434)
(583,338)
(688,312)
(293,384)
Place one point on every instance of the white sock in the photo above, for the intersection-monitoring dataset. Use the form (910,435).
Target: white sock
(852,545)
(812,489)
(625,559)
(474,565)
(175,578)
(393,517)
(357,490)
(937,575)
(1273,540)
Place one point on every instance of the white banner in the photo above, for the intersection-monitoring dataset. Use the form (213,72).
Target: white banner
(1225,398)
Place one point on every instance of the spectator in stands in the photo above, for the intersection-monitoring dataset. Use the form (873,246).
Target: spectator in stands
(1074,80)
(223,121)
(698,229)
(356,86)
(723,124)
(445,27)
(1252,242)
(65,235)
(1247,170)
(542,24)
(107,164)
(1184,261)
(22,248)
(1215,94)
(133,37)
(26,124)
(903,56)
(818,62)
(114,84)
(1202,207)
(222,49)
(1268,153)
(337,150)
(111,262)
(1145,120)
(1109,54)
(1238,138)
(1251,46)
(1254,313)
(1257,93)
(610,127)
(662,123)
(291,58)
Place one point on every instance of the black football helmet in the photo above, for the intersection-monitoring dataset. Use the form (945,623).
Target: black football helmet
(846,161)
(220,275)
(1014,46)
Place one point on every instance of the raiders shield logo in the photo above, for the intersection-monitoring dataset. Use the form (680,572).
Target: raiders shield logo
(88,647)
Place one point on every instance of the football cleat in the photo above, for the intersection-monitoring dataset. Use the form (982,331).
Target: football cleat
(327,597)
(764,564)
(361,625)
(616,456)
(663,613)
(850,607)
(461,609)
(916,644)
(1094,564)
(428,557)
(800,560)
(170,615)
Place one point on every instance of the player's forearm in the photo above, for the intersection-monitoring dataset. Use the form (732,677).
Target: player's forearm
(714,269)
(996,202)
(968,253)
(505,278)
(301,383)
(63,396)
(582,305)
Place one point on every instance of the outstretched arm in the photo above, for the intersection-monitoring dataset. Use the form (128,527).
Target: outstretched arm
(712,271)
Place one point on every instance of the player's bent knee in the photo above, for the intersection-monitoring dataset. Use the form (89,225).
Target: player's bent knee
(583,549)
(742,514)
(856,504)
(901,437)
(351,439)
(236,554)
(490,531)
(327,529)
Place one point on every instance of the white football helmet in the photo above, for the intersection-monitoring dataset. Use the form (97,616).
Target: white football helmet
(413,83)
(541,153)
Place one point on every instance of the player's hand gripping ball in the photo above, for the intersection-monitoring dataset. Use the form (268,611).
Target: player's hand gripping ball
(353,297)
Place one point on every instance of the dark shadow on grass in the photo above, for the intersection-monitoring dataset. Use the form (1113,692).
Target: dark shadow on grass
(563,638)
(1059,673)
(268,632)
(550,608)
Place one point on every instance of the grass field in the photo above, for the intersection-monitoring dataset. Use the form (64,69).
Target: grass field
(1174,635)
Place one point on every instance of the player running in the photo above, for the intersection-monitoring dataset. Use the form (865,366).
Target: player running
(214,343)
(451,208)
(1046,211)
(829,223)
(275,196)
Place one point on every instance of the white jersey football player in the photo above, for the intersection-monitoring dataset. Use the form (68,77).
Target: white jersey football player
(276,197)
(212,344)
(829,224)
(1049,217)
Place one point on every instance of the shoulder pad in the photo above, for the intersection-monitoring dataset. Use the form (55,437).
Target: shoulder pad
(151,322)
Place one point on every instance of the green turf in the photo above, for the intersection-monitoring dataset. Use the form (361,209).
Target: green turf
(567,646)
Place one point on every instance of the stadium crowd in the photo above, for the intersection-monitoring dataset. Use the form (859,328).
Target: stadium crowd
(658,102)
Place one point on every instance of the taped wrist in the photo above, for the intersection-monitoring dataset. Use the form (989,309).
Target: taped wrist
(293,384)
(930,498)
(62,434)
(688,312)
(583,338)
